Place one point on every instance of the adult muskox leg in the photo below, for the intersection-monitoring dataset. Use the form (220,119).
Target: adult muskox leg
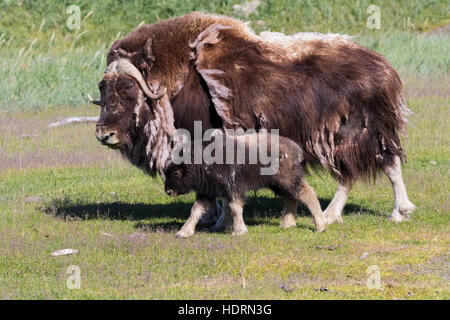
(212,214)
(290,208)
(225,220)
(334,210)
(199,207)
(308,196)
(402,207)
(236,210)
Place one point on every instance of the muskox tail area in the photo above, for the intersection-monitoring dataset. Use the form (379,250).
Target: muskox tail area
(369,139)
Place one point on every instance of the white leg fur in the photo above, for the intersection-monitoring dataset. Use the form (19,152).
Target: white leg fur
(198,209)
(333,212)
(225,220)
(236,209)
(213,213)
(308,196)
(290,208)
(402,206)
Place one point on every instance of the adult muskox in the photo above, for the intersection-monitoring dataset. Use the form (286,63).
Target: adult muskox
(340,101)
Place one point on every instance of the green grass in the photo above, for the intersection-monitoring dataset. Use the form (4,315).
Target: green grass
(37,80)
(44,64)
(103,20)
(75,202)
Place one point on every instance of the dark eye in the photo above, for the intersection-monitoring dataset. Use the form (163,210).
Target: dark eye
(177,174)
(129,86)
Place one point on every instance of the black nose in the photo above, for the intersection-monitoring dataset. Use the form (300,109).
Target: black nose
(106,136)
(103,134)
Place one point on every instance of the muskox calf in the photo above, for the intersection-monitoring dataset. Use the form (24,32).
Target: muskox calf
(231,180)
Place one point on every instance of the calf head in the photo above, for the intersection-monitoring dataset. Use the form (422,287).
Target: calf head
(177,180)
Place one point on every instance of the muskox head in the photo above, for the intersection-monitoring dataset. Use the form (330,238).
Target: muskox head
(123,99)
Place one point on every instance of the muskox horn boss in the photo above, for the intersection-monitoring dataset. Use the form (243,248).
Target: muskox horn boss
(123,66)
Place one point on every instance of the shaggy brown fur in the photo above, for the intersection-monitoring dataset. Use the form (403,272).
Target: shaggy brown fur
(340,101)
(231,181)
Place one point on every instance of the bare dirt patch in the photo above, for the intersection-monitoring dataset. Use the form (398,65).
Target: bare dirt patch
(436,266)
(445,30)
(27,142)
(421,87)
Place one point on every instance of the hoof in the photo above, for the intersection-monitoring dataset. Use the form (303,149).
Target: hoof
(288,223)
(321,228)
(333,218)
(184,234)
(407,208)
(397,217)
(239,232)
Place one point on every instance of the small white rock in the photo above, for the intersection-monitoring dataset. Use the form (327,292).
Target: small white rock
(106,234)
(63,252)
(364,255)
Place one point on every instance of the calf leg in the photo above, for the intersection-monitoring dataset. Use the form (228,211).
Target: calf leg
(236,209)
(402,206)
(290,208)
(212,214)
(199,207)
(308,196)
(225,220)
(334,210)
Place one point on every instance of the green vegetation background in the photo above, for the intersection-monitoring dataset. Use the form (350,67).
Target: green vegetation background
(44,64)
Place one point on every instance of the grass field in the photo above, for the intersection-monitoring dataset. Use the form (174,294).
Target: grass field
(59,188)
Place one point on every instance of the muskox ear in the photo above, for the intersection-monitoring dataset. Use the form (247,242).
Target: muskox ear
(148,51)
(147,58)
(112,54)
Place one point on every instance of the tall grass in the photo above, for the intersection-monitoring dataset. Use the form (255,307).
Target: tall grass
(33,80)
(102,20)
(44,64)
(421,54)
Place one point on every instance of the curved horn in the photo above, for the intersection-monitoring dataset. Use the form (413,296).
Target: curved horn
(97,102)
(125,67)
